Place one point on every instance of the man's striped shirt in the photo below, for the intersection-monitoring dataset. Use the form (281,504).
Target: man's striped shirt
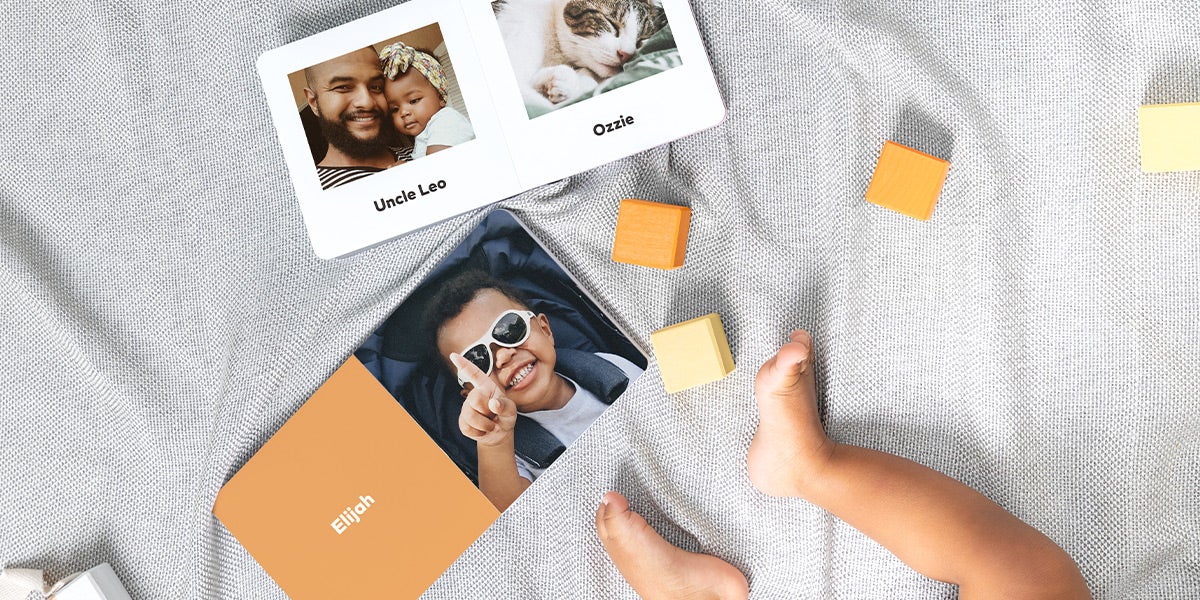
(332,177)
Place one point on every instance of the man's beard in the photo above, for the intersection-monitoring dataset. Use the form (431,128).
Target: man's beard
(337,133)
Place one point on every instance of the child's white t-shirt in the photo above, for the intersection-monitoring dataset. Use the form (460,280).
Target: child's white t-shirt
(570,421)
(447,127)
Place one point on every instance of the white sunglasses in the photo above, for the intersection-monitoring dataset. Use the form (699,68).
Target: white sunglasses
(510,330)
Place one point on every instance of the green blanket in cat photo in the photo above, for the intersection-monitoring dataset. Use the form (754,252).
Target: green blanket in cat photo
(431,109)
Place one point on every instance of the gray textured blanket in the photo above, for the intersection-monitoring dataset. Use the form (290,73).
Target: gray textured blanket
(1038,339)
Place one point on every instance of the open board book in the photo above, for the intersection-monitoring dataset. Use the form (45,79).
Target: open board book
(433,108)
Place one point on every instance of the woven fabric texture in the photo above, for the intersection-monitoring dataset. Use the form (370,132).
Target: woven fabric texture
(1037,339)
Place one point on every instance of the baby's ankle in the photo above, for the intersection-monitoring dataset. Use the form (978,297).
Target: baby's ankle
(814,458)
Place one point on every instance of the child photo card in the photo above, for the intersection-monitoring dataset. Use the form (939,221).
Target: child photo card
(433,108)
(461,399)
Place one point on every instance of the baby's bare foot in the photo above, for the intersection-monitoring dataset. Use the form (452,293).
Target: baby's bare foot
(653,567)
(790,444)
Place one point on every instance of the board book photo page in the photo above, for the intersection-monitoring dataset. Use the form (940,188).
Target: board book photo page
(433,108)
(462,398)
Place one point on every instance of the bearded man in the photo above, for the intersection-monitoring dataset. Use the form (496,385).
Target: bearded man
(346,95)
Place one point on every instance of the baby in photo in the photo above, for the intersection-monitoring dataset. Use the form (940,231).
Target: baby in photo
(504,356)
(416,90)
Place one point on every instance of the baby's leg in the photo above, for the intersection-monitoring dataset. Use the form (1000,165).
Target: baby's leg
(790,445)
(653,567)
(935,524)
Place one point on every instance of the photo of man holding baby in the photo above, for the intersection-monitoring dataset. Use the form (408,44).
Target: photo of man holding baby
(381,106)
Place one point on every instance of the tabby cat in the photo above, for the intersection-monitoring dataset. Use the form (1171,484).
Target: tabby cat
(562,49)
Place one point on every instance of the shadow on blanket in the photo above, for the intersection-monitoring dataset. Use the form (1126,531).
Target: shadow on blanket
(919,130)
(1175,81)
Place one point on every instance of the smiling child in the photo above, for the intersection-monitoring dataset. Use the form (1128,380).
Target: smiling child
(504,355)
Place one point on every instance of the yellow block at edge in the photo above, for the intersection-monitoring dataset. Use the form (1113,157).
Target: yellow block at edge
(692,353)
(1170,137)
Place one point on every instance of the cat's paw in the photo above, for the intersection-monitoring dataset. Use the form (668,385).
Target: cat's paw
(558,83)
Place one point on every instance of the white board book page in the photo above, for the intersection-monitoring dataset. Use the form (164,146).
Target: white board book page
(434,108)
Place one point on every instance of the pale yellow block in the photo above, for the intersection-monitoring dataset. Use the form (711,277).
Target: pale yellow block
(692,353)
(1170,135)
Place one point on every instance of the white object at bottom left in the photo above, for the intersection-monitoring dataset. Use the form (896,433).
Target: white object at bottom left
(98,583)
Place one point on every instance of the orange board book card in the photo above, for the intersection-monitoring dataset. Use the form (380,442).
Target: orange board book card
(375,478)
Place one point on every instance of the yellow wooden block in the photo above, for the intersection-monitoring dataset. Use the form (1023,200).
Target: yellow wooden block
(692,353)
(1170,137)
(651,234)
(907,181)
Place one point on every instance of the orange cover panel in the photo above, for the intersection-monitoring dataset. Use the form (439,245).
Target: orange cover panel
(352,441)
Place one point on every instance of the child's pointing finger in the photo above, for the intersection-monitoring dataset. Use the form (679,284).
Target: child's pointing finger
(468,372)
(480,402)
(502,406)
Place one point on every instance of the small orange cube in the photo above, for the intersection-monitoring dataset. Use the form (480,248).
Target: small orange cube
(907,181)
(651,234)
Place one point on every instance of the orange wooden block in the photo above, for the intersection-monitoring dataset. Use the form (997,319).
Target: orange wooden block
(651,234)
(907,181)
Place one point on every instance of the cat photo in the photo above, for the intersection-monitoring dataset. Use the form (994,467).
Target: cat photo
(566,51)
